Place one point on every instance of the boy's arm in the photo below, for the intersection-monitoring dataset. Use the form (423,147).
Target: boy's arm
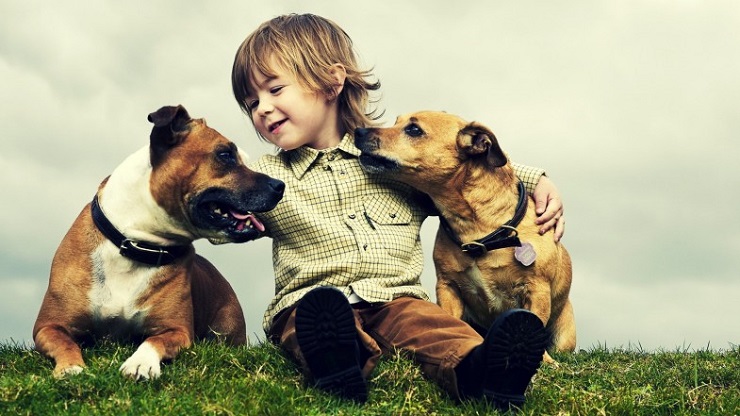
(548,203)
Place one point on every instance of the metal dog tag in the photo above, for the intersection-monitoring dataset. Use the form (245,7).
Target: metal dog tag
(525,254)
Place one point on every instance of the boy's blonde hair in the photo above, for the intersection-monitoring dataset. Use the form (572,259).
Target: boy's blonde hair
(306,46)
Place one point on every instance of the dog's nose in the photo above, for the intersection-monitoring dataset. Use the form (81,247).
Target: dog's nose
(363,138)
(361,132)
(276,185)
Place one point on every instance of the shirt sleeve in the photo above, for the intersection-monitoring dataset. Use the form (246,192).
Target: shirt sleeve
(528,175)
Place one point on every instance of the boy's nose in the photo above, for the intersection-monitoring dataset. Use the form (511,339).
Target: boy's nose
(264,108)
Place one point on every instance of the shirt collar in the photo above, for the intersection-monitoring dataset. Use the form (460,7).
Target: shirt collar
(303,158)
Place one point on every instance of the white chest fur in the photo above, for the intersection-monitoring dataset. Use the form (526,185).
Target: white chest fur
(118,284)
(486,298)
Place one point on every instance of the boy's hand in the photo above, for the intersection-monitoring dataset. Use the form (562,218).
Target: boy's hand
(549,208)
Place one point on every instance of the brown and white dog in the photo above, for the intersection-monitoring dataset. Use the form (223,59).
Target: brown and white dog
(488,254)
(127,268)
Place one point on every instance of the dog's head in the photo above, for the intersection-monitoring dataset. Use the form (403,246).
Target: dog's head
(427,148)
(199,178)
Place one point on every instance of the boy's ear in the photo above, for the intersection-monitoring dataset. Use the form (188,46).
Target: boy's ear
(476,139)
(339,73)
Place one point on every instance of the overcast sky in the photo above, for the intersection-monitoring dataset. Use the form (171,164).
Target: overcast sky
(632,107)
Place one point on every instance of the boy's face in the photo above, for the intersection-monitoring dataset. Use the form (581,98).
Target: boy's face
(288,115)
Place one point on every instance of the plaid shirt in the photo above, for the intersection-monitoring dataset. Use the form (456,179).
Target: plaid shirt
(337,225)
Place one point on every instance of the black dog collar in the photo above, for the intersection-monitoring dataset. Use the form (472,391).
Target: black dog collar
(135,250)
(500,238)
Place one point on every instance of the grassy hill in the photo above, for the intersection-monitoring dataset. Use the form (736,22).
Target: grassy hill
(259,380)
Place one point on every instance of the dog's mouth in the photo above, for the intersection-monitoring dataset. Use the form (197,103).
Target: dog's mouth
(377,164)
(223,217)
(237,220)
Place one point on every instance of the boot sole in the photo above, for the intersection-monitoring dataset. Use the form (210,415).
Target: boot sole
(514,349)
(325,328)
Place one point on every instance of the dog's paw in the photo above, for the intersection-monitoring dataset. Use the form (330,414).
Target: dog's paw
(547,359)
(143,364)
(67,371)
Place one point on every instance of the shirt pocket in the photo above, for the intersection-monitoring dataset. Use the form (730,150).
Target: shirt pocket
(391,218)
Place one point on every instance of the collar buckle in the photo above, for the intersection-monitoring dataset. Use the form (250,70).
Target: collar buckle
(474,249)
(134,250)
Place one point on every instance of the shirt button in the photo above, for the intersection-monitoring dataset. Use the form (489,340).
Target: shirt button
(332,156)
(352,216)
(393,215)
(327,168)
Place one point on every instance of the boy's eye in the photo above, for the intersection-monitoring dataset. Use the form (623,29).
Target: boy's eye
(275,90)
(251,105)
(413,130)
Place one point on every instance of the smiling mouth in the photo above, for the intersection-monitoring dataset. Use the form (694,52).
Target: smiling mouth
(274,127)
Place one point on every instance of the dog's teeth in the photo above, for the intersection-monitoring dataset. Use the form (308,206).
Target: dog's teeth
(241,225)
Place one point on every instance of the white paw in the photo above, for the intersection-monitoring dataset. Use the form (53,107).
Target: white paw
(142,364)
(69,371)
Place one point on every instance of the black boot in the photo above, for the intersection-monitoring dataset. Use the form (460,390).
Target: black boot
(325,328)
(501,368)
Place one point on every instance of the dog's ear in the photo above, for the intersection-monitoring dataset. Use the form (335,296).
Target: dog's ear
(476,139)
(171,126)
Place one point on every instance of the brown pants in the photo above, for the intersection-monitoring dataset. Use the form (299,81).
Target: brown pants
(437,340)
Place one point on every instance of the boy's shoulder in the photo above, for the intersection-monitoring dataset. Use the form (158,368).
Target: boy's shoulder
(270,163)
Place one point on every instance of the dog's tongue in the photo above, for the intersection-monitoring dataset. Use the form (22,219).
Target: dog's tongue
(255,222)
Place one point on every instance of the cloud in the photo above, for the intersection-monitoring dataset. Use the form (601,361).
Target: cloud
(653,315)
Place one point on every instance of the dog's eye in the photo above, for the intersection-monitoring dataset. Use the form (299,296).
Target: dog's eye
(226,156)
(413,130)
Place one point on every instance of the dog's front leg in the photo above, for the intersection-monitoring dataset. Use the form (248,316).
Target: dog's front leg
(55,342)
(144,362)
(539,303)
(448,297)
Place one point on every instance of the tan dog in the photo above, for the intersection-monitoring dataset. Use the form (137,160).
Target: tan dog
(127,268)
(488,254)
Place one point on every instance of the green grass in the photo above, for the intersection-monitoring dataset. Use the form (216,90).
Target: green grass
(259,380)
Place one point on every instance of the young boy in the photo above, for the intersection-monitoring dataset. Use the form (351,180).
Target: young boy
(346,247)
